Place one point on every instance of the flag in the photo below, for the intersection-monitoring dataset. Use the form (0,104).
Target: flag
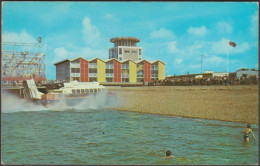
(232,44)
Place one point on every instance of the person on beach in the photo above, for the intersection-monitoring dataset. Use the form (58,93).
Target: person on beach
(168,154)
(246,133)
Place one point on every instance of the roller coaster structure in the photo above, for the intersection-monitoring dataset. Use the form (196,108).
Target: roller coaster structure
(22,61)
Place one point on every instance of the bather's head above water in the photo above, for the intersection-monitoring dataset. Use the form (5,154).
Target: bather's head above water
(168,154)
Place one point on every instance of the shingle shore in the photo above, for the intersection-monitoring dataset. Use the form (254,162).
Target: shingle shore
(228,103)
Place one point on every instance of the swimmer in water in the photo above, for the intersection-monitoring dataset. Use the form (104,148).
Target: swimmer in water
(246,133)
(168,154)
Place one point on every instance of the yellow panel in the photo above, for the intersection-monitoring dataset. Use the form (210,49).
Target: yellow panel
(101,70)
(132,71)
(161,70)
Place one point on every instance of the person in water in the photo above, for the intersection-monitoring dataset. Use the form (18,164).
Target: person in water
(246,133)
(168,154)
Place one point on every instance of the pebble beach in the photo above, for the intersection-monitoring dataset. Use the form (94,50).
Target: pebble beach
(227,103)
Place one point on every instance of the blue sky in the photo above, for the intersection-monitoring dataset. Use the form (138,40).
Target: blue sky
(174,32)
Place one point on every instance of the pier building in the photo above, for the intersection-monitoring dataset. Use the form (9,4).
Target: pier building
(110,70)
(125,64)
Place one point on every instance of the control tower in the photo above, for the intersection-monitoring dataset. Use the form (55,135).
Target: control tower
(125,48)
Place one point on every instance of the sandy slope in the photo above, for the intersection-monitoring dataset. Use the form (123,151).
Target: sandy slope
(228,103)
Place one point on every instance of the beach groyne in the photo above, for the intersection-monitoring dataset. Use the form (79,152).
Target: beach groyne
(228,103)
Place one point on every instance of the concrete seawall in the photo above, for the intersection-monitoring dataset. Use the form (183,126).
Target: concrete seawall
(227,103)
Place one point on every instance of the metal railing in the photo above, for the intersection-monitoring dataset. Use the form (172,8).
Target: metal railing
(125,66)
(74,65)
(92,74)
(109,66)
(92,65)
(140,75)
(109,75)
(125,75)
(75,74)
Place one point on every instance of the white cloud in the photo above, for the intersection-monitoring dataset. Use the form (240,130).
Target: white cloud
(213,60)
(222,46)
(241,48)
(111,17)
(91,33)
(88,53)
(18,37)
(60,54)
(219,47)
(162,34)
(198,31)
(178,61)
(172,47)
(224,27)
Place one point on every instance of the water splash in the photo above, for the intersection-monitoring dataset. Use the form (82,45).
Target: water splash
(11,103)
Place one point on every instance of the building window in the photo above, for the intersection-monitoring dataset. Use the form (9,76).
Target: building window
(75,79)
(75,70)
(92,79)
(125,66)
(127,51)
(109,79)
(140,52)
(120,50)
(120,59)
(140,80)
(125,79)
(76,61)
(92,70)
(92,65)
(109,70)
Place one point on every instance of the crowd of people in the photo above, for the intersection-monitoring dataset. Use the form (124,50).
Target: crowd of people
(188,81)
(185,81)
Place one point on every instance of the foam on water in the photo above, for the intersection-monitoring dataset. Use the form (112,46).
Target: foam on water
(12,103)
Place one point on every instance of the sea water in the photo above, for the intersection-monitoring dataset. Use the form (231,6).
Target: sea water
(106,136)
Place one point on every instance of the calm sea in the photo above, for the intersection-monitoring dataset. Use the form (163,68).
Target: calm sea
(105,136)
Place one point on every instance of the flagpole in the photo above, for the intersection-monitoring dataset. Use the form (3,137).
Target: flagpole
(227,54)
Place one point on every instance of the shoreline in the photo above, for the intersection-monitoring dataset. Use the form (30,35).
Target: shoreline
(190,117)
(225,103)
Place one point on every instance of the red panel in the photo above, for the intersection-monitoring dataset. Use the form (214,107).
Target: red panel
(147,71)
(117,71)
(83,70)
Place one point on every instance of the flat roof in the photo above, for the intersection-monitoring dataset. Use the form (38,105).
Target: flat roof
(113,40)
